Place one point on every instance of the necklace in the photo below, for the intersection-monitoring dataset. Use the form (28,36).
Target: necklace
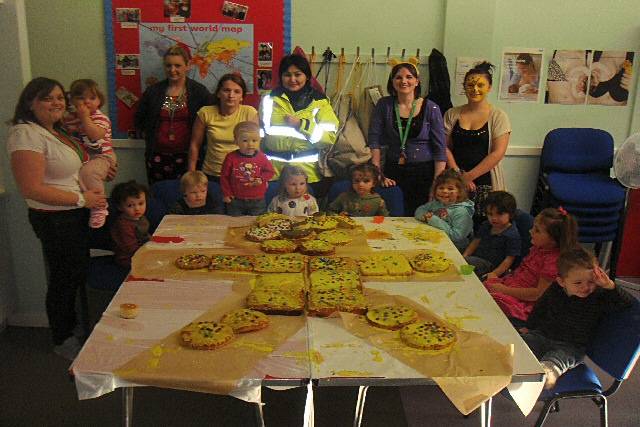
(70,142)
(173,104)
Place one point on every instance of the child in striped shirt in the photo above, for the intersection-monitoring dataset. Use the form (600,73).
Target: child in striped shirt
(93,128)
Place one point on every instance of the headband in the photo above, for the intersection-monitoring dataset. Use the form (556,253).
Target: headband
(412,60)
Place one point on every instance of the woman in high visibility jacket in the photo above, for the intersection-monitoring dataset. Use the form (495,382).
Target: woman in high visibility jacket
(298,122)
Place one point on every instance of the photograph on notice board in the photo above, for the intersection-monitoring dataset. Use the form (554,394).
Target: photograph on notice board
(520,77)
(265,54)
(235,10)
(177,10)
(128,17)
(127,61)
(264,79)
(611,78)
(568,77)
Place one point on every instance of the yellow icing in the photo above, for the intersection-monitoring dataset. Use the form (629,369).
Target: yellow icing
(347,373)
(377,357)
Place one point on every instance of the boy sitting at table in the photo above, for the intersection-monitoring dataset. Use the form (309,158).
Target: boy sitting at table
(497,242)
(195,199)
(246,173)
(565,318)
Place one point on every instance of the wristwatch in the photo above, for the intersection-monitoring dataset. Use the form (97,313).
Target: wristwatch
(81,201)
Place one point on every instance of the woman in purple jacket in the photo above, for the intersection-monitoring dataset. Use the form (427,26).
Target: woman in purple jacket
(411,129)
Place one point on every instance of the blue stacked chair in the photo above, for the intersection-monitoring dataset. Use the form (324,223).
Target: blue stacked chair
(575,174)
(393,197)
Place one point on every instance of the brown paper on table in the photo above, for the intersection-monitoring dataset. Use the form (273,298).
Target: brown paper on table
(449,275)
(160,264)
(170,365)
(235,238)
(474,369)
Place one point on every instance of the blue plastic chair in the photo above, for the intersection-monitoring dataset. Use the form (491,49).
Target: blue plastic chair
(615,349)
(393,197)
(523,222)
(164,194)
(574,173)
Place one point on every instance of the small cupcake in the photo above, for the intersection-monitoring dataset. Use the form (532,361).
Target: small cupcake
(128,311)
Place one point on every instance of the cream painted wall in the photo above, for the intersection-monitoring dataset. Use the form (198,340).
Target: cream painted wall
(74,48)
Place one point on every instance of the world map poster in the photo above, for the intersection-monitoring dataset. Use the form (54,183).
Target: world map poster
(216,49)
(221,36)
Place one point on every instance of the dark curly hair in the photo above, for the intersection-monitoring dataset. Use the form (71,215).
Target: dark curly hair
(124,190)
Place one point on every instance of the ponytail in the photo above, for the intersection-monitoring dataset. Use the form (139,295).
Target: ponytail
(561,226)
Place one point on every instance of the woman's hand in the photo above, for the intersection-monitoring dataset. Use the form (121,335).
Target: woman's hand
(227,199)
(468,182)
(387,182)
(292,121)
(94,199)
(111,173)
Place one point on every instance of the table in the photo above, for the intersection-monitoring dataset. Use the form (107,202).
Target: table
(168,305)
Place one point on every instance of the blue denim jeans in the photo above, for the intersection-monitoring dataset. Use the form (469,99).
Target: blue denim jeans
(239,207)
(563,355)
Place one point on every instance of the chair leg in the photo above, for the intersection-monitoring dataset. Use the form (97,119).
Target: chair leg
(556,406)
(604,412)
(545,412)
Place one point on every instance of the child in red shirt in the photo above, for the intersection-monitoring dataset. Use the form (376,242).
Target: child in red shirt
(131,229)
(245,173)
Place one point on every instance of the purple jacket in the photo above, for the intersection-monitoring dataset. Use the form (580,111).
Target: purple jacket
(429,145)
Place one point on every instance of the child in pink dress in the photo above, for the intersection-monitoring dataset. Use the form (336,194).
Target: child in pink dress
(554,231)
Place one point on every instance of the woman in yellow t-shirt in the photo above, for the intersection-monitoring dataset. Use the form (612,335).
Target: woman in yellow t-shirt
(218,121)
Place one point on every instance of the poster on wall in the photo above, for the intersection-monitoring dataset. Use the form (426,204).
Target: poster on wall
(568,77)
(464,64)
(520,76)
(610,78)
(216,49)
(220,36)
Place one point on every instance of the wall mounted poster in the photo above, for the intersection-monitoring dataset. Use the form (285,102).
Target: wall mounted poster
(568,77)
(520,77)
(611,76)
(220,36)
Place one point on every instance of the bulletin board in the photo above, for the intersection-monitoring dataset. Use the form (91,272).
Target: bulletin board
(248,37)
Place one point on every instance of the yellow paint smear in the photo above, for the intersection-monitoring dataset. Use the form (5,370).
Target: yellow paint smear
(377,357)
(345,373)
(157,350)
(425,299)
(154,362)
(111,338)
(265,348)
(340,345)
(450,294)
(459,320)
(302,356)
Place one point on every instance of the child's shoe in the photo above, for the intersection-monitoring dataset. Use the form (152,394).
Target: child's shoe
(98,217)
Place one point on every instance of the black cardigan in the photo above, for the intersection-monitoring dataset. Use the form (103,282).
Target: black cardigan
(146,119)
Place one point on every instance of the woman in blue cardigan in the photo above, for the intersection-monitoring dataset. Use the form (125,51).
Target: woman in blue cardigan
(412,131)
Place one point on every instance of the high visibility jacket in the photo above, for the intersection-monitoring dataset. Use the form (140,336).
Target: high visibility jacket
(284,144)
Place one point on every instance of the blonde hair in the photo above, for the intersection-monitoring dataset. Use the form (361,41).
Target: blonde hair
(287,172)
(191,179)
(245,127)
(80,86)
(178,50)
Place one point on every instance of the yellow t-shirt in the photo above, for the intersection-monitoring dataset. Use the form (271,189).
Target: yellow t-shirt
(220,134)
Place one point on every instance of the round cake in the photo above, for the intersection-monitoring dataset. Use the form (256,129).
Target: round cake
(206,335)
(430,262)
(335,237)
(316,247)
(428,336)
(391,316)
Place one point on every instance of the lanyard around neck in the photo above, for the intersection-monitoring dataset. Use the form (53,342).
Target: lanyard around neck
(69,142)
(404,133)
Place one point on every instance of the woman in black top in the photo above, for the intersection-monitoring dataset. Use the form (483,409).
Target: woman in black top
(477,138)
(165,117)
